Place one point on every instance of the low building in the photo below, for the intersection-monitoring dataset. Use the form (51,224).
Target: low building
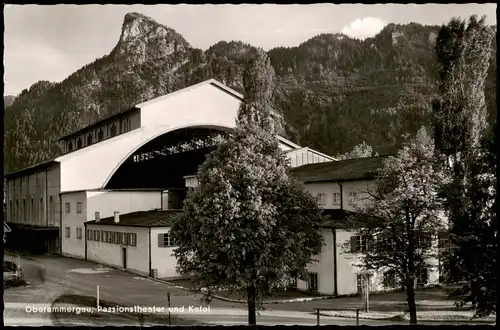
(138,241)
(341,188)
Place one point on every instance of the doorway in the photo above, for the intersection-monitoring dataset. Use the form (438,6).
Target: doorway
(124,258)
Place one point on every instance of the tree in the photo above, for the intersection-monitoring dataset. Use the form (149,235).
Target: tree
(248,225)
(362,150)
(402,213)
(459,118)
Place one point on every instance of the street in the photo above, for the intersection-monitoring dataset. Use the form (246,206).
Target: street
(67,278)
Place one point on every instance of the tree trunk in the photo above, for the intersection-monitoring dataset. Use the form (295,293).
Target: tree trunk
(410,294)
(252,315)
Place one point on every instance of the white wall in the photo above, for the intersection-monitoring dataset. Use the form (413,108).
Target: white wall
(112,254)
(72,246)
(324,264)
(305,156)
(107,202)
(203,104)
(162,258)
(329,188)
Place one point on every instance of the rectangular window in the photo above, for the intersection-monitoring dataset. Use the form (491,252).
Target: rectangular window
(67,232)
(389,281)
(321,198)
(79,233)
(133,239)
(103,236)
(359,283)
(68,207)
(313,282)
(353,198)
(336,198)
(89,234)
(360,244)
(424,240)
(97,235)
(115,238)
(422,277)
(165,240)
(124,238)
(110,237)
(78,207)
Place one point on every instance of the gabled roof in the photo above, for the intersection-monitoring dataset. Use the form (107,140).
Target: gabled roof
(288,142)
(289,152)
(157,218)
(211,82)
(32,168)
(343,170)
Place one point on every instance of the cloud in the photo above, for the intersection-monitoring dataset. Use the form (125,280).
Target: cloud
(364,28)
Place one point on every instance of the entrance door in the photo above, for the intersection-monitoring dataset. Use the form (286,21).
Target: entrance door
(124,255)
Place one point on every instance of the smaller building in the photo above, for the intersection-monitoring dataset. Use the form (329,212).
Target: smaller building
(138,241)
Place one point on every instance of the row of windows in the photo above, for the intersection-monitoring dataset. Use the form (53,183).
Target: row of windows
(353,198)
(111,237)
(112,131)
(25,211)
(364,244)
(67,207)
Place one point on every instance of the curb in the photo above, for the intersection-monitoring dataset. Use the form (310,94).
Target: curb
(281,301)
(400,318)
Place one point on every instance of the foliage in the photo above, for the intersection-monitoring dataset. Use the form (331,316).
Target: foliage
(401,214)
(460,125)
(248,225)
(362,150)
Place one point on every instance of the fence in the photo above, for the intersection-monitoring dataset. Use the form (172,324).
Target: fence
(318,313)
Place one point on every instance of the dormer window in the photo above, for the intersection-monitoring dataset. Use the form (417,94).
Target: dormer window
(79,143)
(89,139)
(70,146)
(100,135)
(113,130)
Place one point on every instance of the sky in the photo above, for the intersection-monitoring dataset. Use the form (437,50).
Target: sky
(49,42)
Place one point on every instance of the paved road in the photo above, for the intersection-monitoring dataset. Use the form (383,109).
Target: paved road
(65,276)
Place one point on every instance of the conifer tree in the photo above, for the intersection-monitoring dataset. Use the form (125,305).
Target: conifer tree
(248,226)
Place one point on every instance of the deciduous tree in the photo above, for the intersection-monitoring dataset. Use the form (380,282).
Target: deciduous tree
(401,213)
(362,150)
(248,225)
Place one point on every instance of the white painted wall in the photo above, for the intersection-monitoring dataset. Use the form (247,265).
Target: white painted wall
(306,156)
(323,264)
(73,246)
(162,258)
(112,254)
(203,104)
(107,202)
(329,188)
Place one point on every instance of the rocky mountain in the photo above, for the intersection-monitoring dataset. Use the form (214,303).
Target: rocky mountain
(333,91)
(8,100)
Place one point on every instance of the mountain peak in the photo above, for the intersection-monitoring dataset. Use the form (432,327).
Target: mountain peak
(142,38)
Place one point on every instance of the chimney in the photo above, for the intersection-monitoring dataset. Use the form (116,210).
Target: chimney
(117,217)
(97,217)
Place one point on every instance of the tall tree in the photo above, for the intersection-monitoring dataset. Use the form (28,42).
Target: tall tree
(248,226)
(464,52)
(362,150)
(401,214)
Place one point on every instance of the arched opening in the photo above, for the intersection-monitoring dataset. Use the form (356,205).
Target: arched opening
(70,146)
(100,135)
(164,162)
(89,139)
(113,130)
(79,143)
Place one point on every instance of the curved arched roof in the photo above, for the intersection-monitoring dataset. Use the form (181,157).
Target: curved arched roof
(92,167)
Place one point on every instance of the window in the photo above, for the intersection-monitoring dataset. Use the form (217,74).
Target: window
(110,237)
(165,240)
(89,234)
(41,208)
(422,277)
(313,282)
(79,144)
(360,244)
(103,236)
(51,209)
(389,281)
(89,139)
(321,198)
(113,130)
(443,240)
(17,209)
(97,236)
(67,207)
(336,198)
(24,209)
(115,238)
(32,210)
(353,198)
(424,240)
(70,146)
(67,231)
(359,283)
(11,213)
(133,239)
(79,233)
(100,135)
(78,207)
